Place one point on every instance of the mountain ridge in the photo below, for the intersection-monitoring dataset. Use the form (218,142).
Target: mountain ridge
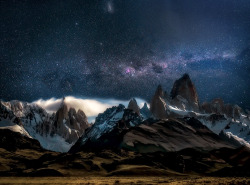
(68,125)
(54,131)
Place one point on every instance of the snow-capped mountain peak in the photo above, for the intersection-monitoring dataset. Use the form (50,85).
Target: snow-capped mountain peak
(56,132)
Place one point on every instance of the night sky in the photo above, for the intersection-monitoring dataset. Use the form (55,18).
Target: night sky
(124,48)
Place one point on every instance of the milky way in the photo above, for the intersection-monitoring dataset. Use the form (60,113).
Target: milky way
(122,49)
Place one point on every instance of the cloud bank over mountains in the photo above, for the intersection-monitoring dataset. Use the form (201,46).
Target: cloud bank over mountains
(91,107)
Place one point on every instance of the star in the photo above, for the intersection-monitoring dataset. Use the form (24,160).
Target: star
(120,49)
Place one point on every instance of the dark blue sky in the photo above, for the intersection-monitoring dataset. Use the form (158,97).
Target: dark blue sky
(121,49)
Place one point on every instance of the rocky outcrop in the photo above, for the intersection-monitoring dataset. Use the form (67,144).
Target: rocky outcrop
(134,106)
(158,105)
(217,106)
(13,141)
(184,95)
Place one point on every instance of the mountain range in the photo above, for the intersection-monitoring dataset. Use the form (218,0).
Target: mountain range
(57,131)
(175,124)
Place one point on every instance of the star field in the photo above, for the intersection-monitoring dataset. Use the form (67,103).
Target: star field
(122,49)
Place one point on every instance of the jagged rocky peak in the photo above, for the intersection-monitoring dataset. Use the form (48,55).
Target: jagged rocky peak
(104,123)
(66,125)
(7,114)
(145,112)
(70,124)
(217,106)
(27,113)
(158,105)
(184,94)
(61,114)
(63,110)
(159,91)
(134,106)
(22,109)
(116,118)
(77,120)
(145,107)
(206,107)
(80,115)
(114,113)
(17,107)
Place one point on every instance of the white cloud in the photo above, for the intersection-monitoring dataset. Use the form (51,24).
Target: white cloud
(91,107)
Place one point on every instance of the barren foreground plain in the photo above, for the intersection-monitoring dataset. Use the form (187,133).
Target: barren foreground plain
(126,180)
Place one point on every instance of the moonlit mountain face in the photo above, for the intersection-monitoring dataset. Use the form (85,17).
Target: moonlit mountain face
(122,49)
